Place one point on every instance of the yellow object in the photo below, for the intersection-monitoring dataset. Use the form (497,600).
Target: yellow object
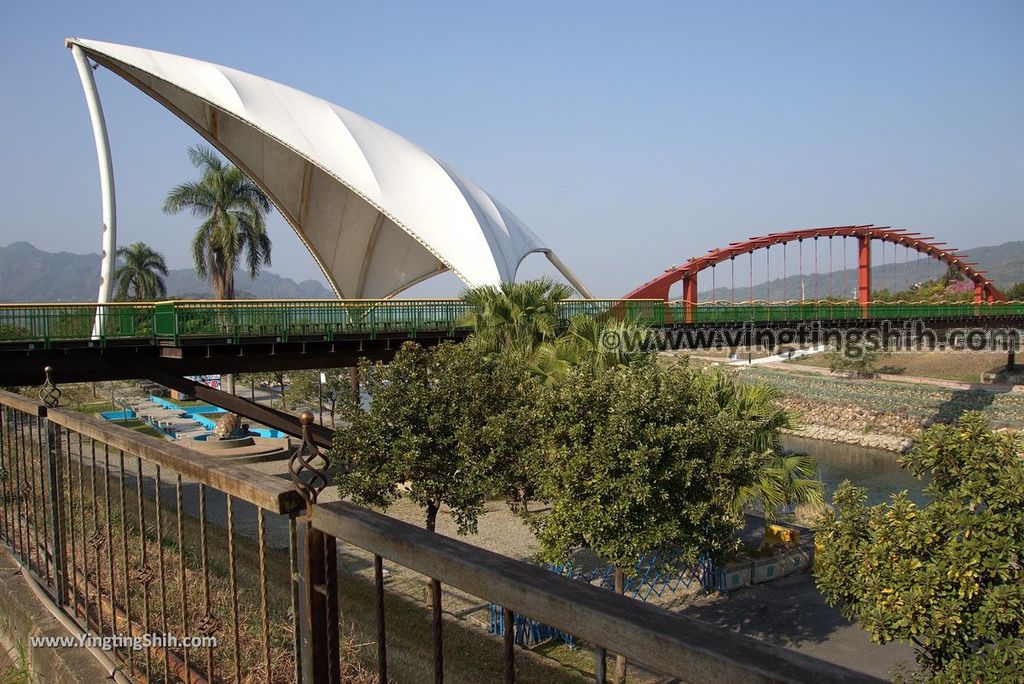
(777,534)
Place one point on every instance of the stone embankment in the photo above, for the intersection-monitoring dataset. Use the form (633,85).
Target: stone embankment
(883,414)
(852,424)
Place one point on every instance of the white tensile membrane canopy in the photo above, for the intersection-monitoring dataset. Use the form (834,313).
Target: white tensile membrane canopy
(378,213)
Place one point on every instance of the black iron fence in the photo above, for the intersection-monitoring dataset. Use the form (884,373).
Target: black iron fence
(195,570)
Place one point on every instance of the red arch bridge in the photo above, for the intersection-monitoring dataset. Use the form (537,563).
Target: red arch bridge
(868,240)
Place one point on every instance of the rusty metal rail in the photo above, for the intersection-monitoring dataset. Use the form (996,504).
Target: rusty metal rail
(139,541)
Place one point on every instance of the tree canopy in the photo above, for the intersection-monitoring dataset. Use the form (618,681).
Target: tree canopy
(641,461)
(948,576)
(437,426)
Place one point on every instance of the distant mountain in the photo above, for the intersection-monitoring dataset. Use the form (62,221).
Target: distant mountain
(1003,264)
(28,274)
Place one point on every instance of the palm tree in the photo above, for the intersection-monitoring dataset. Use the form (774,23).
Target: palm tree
(785,479)
(233,210)
(591,344)
(515,318)
(789,479)
(751,403)
(140,277)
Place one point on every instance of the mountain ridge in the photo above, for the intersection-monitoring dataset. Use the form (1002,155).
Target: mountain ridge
(29,274)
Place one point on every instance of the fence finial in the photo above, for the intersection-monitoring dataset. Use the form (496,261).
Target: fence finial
(49,393)
(307,464)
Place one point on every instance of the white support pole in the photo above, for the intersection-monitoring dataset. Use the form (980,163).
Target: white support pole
(569,275)
(99,132)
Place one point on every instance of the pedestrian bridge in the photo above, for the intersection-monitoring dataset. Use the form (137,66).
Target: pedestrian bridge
(46,326)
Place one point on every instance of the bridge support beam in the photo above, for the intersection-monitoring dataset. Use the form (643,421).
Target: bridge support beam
(689,295)
(982,294)
(864,274)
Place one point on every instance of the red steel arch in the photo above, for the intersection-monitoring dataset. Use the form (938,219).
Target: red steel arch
(984,289)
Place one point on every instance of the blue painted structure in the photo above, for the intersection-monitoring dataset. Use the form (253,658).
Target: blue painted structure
(126,414)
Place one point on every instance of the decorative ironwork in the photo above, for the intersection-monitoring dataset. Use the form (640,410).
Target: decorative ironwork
(208,625)
(49,393)
(145,575)
(97,540)
(307,464)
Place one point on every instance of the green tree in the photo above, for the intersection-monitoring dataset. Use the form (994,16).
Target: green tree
(512,431)
(140,276)
(515,318)
(423,428)
(268,379)
(1015,293)
(233,210)
(948,576)
(788,479)
(853,358)
(640,461)
(305,388)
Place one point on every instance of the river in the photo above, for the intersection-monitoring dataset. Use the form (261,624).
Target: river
(874,469)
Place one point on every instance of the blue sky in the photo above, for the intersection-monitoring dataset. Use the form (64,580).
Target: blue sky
(629,136)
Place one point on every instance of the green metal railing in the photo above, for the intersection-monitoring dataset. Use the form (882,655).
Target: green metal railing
(174,321)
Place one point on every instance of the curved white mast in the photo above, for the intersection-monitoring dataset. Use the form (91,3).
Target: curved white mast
(569,275)
(99,132)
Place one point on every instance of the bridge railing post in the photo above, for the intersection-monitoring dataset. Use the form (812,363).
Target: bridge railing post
(319,645)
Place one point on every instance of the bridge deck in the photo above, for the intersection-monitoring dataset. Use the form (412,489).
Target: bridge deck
(177,323)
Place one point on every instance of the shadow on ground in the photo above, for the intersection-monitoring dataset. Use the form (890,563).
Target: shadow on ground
(791,613)
(963,400)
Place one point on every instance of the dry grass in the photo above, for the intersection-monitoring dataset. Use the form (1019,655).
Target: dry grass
(940,365)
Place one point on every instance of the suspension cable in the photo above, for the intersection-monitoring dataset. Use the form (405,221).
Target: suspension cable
(801,246)
(846,275)
(815,281)
(830,267)
(785,289)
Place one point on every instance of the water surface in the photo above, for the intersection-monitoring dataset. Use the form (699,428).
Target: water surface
(874,469)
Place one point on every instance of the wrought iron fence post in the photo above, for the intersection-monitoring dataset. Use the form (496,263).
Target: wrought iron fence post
(55,484)
(319,567)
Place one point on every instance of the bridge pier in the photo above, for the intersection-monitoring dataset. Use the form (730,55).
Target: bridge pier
(864,274)
(689,295)
(982,294)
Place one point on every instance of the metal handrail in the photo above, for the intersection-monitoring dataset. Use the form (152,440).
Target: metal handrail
(260,489)
(665,642)
(107,520)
